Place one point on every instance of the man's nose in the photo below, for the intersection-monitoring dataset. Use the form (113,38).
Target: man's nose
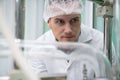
(68,28)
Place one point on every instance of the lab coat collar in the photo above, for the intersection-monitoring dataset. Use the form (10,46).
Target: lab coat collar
(85,35)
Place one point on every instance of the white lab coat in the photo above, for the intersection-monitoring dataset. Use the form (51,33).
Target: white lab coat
(88,35)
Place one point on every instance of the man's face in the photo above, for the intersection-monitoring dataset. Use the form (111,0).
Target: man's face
(66,28)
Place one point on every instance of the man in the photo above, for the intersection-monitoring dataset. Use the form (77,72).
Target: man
(64,19)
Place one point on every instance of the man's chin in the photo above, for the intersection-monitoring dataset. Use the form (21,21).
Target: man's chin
(68,41)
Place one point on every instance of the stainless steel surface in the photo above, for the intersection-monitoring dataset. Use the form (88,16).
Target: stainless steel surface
(107,37)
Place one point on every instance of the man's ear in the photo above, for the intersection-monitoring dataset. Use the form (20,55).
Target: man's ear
(49,23)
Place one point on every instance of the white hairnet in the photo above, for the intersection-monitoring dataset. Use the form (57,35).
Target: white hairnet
(54,8)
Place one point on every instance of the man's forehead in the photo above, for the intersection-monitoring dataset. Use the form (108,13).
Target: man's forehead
(67,16)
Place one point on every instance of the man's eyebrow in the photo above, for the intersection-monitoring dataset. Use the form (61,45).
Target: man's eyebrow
(76,18)
(58,19)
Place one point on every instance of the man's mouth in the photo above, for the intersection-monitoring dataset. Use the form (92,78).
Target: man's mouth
(67,36)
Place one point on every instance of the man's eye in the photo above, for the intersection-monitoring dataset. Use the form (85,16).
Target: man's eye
(59,22)
(74,20)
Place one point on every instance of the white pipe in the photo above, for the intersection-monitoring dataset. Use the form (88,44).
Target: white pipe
(16,52)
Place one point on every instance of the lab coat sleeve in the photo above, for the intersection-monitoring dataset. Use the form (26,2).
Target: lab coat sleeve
(36,62)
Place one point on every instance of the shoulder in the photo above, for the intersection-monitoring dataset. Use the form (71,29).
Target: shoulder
(91,31)
(47,36)
(91,36)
